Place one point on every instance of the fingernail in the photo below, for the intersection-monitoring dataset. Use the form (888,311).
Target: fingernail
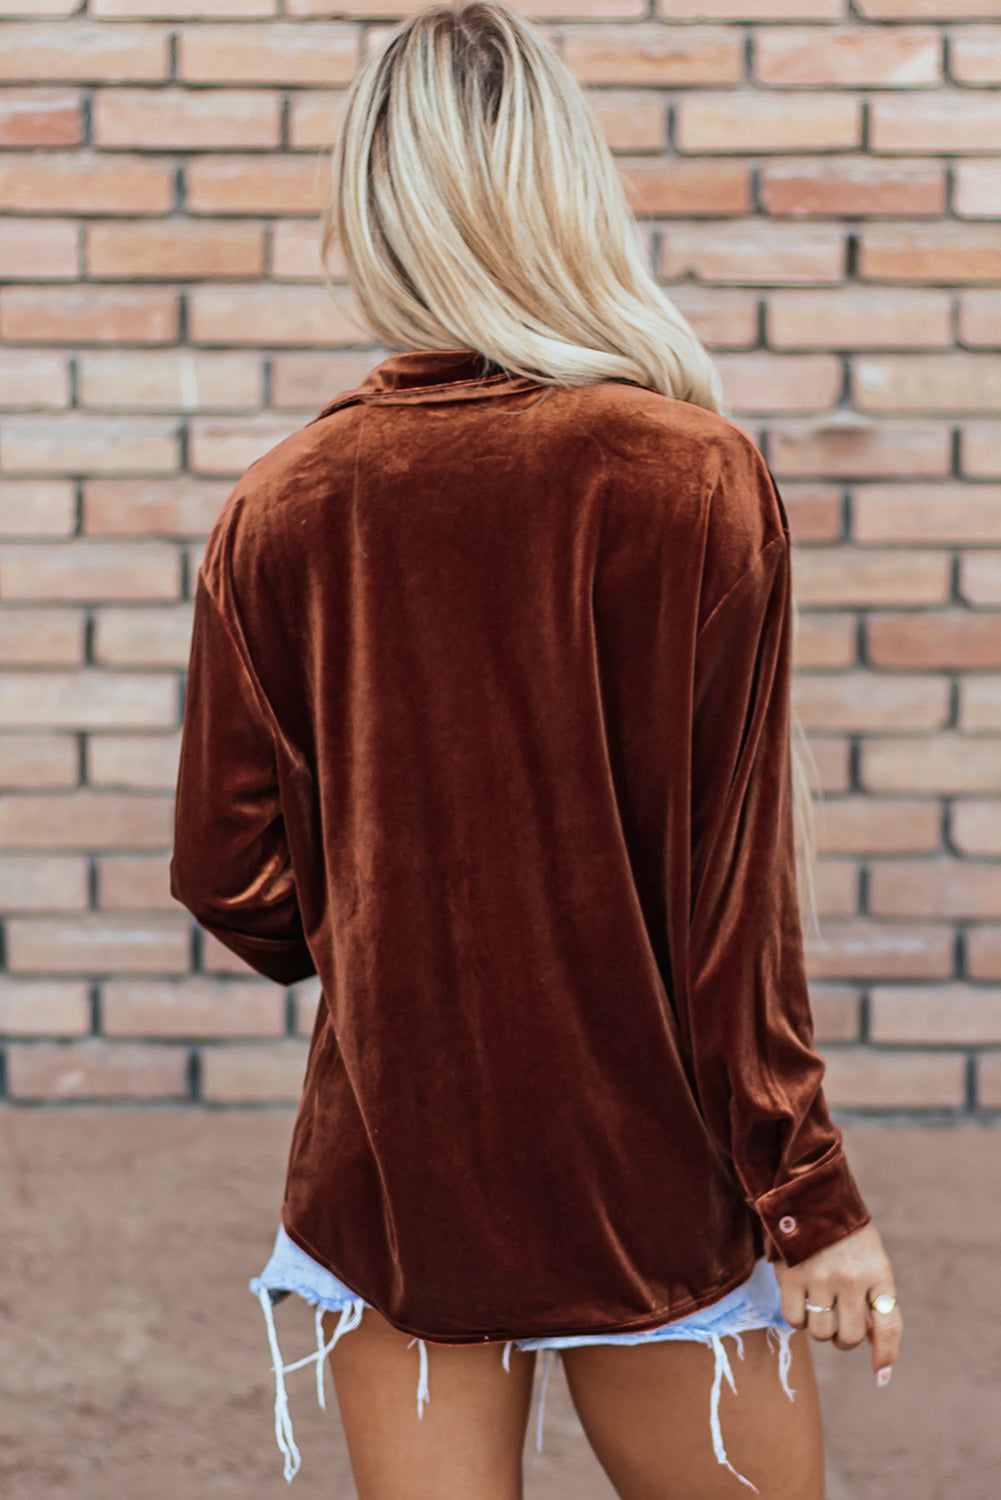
(883,1376)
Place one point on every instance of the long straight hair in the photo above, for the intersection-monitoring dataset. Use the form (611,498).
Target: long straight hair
(477,206)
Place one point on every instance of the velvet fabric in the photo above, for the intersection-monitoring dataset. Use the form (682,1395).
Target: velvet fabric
(487,725)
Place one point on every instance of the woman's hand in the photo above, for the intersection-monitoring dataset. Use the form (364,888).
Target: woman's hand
(846,1277)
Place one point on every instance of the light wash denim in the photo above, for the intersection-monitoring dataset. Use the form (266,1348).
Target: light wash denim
(756,1303)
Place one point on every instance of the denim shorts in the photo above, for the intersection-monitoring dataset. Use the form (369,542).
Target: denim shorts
(756,1303)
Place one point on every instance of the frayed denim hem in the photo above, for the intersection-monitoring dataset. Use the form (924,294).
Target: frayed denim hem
(755,1304)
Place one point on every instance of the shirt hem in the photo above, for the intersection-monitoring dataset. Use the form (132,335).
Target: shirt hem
(647,1322)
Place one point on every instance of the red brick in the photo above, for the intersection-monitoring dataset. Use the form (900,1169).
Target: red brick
(825,639)
(842,575)
(221,446)
(956,1013)
(932,382)
(947,763)
(751,10)
(218,959)
(978,189)
(278,52)
(981,450)
(857,701)
(169,380)
(43,882)
(255,185)
(249,1073)
(314,119)
(38,760)
(935,638)
(197,1007)
(144,637)
(301,381)
(764,382)
(99,943)
(36,507)
(835,1012)
(859,318)
(983,952)
(630,120)
(40,637)
(831,754)
(174,248)
(183,8)
(295,250)
(859,1077)
(858,447)
(723,317)
(976,826)
(814,510)
(668,187)
(262,314)
(137,762)
(980,703)
(871,825)
(40,117)
(146,507)
(84,53)
(864,948)
(989,1081)
(37,249)
(101,445)
(87,699)
(652,53)
(134,882)
(980,578)
(837,889)
(980,317)
(937,888)
(760,254)
(38,7)
(975,53)
(836,186)
(96,1069)
(188,119)
(931,10)
(84,569)
(767,122)
(306,995)
(85,182)
(935,122)
(853,56)
(32,378)
(88,315)
(44,1007)
(936,514)
(946,252)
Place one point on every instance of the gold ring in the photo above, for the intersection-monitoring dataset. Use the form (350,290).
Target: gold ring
(884,1303)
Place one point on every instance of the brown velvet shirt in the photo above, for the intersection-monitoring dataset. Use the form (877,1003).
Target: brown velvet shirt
(487,725)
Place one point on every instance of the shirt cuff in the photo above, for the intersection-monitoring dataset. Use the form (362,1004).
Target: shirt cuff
(815,1210)
(284,960)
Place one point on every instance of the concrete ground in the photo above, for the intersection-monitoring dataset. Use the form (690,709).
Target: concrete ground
(134,1360)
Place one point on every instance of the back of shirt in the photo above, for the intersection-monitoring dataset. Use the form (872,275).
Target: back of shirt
(487,724)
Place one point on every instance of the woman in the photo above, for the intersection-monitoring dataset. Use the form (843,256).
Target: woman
(488,725)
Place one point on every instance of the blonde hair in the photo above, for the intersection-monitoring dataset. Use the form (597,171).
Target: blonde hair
(477,206)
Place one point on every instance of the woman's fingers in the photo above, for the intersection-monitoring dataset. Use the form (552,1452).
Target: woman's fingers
(885,1331)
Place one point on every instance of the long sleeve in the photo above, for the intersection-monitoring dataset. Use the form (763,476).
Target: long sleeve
(231,866)
(749,1024)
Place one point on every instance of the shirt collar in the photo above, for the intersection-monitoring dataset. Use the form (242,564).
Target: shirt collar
(431,375)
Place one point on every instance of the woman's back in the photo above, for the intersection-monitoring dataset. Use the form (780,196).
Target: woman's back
(499,674)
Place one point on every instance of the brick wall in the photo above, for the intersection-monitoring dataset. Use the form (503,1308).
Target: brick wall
(820,183)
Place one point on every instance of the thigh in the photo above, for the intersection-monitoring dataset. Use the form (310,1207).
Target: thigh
(645,1409)
(468,1440)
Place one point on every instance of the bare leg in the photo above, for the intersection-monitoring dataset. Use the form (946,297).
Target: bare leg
(468,1441)
(645,1410)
